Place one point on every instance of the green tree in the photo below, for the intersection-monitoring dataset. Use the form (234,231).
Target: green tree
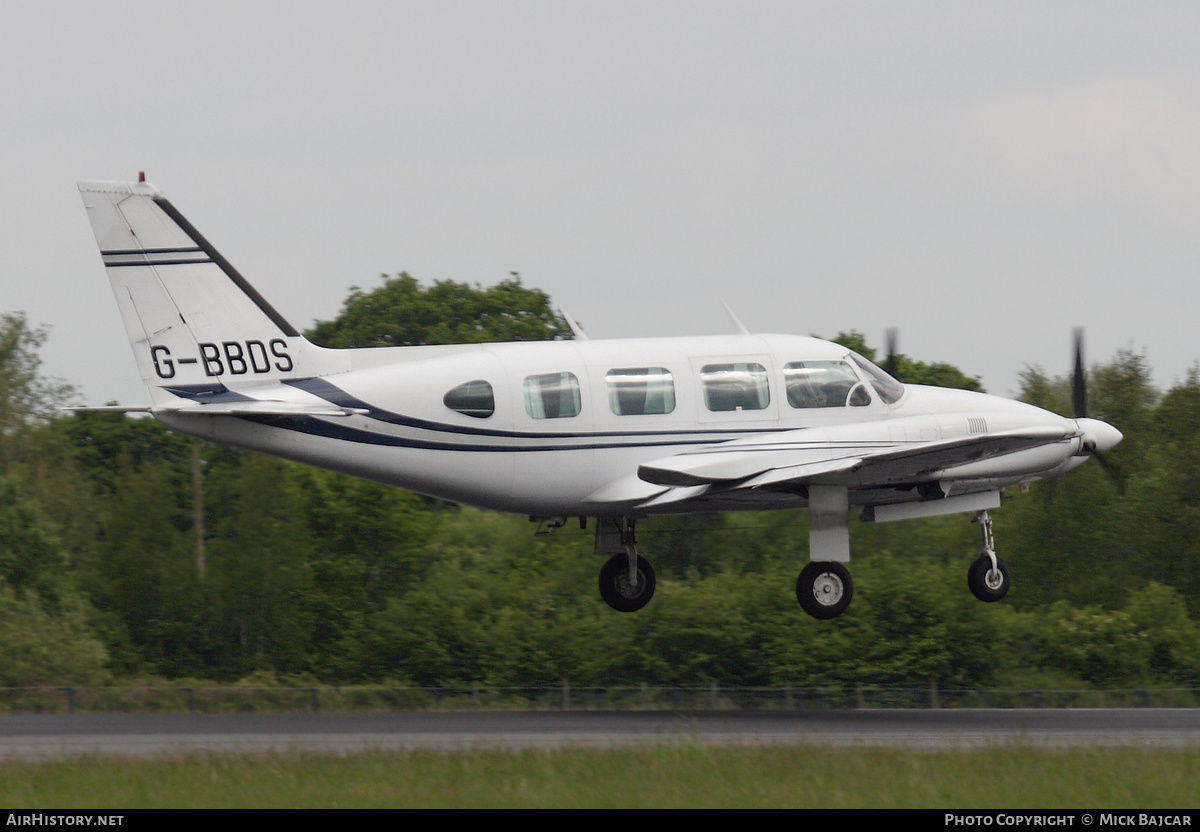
(31,555)
(936,374)
(142,580)
(26,398)
(261,565)
(402,313)
(368,546)
(105,445)
(47,646)
(1086,536)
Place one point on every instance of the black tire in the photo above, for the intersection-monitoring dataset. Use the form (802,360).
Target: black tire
(984,583)
(824,589)
(614,584)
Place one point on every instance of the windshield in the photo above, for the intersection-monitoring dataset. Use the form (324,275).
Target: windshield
(887,387)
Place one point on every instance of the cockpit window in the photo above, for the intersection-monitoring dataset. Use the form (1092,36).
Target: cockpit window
(887,387)
(735,387)
(823,384)
(471,398)
(552,396)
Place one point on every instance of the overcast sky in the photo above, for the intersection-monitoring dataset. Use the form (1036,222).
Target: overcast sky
(984,176)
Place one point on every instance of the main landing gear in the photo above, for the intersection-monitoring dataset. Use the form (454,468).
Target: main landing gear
(627,579)
(824,588)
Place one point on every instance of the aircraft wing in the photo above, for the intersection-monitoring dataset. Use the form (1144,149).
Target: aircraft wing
(801,457)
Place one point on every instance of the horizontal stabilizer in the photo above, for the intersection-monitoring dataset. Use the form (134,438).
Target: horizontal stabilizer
(259,408)
(242,408)
(111,408)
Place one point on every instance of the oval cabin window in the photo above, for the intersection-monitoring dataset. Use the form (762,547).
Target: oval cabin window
(472,398)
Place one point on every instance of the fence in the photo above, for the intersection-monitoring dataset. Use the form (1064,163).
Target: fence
(233,698)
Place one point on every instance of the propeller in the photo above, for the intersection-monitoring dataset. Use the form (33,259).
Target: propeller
(1078,380)
(1098,436)
(892,366)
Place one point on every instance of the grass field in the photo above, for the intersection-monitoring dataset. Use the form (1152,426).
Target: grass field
(669,775)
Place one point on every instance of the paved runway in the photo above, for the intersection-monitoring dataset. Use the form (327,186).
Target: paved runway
(147,735)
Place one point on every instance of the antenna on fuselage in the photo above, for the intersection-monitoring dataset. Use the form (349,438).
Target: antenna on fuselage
(576,329)
(741,328)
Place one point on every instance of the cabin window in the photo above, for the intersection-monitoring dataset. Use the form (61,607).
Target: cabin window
(471,398)
(552,396)
(637,391)
(735,387)
(823,384)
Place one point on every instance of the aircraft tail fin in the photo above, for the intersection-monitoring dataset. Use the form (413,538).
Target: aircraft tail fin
(195,324)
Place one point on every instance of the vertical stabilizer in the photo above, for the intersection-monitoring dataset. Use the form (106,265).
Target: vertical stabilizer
(193,321)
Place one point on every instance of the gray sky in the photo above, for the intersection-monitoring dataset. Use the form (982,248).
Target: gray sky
(984,176)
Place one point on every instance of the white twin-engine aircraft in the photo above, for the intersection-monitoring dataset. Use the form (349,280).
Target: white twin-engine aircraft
(610,429)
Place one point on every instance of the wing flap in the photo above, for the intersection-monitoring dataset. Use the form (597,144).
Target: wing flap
(676,495)
(625,490)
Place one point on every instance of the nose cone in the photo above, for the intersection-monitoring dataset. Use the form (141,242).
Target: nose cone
(1098,436)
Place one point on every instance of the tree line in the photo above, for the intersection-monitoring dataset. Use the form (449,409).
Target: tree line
(127,552)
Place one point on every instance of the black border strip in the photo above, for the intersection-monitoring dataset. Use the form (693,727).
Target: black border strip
(184,250)
(232,273)
(324,389)
(123,265)
(315,426)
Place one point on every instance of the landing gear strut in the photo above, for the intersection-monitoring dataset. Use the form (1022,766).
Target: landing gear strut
(988,576)
(627,579)
(824,588)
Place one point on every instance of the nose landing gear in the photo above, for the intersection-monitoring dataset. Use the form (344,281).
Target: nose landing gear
(988,576)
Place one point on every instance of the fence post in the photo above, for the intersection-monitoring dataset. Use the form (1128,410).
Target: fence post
(566,695)
(933,693)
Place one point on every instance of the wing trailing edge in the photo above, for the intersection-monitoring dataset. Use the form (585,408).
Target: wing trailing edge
(791,459)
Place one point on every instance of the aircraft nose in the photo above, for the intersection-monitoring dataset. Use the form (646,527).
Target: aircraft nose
(1098,437)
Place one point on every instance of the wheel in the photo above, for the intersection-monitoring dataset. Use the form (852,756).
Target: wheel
(616,590)
(988,584)
(824,589)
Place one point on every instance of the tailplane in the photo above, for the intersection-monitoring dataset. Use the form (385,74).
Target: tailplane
(193,321)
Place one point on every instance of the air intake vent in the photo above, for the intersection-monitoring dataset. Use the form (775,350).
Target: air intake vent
(976,424)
